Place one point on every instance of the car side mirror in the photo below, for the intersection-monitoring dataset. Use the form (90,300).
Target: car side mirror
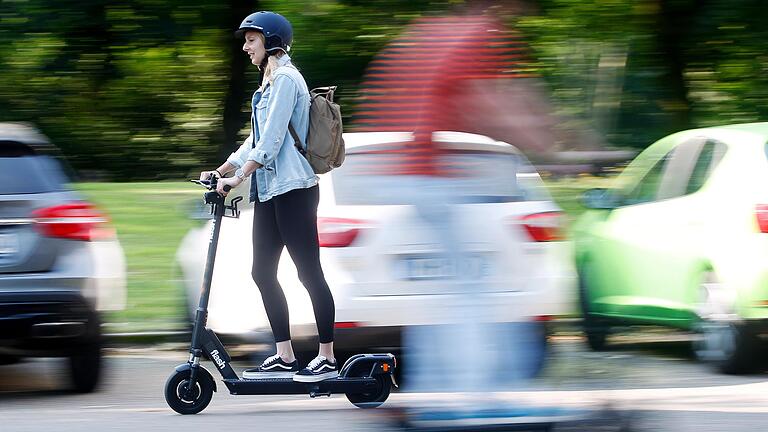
(600,199)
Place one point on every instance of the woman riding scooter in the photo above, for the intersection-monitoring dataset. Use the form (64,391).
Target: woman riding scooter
(285,195)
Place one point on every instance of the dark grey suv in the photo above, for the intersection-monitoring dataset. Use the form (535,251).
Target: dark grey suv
(60,262)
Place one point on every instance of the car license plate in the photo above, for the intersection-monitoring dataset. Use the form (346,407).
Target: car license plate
(9,244)
(439,267)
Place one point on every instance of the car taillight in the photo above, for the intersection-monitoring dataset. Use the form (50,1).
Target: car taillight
(73,221)
(347,325)
(544,227)
(338,232)
(761,214)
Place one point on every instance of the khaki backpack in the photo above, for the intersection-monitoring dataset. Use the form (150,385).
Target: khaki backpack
(325,143)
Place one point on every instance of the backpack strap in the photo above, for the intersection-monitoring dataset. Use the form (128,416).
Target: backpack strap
(253,131)
(296,139)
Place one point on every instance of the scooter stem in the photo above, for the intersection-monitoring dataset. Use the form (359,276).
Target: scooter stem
(201,314)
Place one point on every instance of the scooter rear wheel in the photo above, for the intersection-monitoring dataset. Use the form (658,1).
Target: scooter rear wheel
(375,398)
(176,389)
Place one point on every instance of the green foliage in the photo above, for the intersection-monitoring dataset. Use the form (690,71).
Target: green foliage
(123,88)
(137,89)
(335,40)
(637,70)
(728,66)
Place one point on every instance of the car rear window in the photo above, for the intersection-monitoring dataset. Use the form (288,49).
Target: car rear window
(709,157)
(487,177)
(15,149)
(30,174)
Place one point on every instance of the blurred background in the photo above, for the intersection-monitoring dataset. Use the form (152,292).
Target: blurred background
(544,100)
(164,84)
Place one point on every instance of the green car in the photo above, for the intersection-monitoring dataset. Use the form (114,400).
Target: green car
(681,240)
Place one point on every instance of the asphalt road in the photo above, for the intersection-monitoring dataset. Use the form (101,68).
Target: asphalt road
(650,382)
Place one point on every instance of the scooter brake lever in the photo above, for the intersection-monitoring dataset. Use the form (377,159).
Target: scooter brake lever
(205,183)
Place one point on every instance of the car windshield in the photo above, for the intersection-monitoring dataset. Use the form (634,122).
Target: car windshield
(30,174)
(485,177)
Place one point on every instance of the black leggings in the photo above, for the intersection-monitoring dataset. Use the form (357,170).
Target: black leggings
(290,220)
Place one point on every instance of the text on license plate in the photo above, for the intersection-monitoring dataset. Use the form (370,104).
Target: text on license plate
(420,267)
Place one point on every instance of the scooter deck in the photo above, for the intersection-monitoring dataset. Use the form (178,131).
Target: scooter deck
(273,386)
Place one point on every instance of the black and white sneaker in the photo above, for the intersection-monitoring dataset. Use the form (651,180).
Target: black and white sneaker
(318,369)
(273,367)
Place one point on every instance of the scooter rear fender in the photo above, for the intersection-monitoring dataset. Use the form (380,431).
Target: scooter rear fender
(363,365)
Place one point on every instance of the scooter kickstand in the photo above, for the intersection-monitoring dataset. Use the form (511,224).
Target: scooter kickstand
(316,393)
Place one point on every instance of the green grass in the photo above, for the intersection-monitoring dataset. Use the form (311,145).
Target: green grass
(150,219)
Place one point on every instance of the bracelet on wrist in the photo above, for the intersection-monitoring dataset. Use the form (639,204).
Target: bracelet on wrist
(219,173)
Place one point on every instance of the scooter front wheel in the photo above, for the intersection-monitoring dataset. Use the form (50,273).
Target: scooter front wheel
(183,401)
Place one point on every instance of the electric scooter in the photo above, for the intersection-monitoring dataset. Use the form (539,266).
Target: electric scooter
(366,379)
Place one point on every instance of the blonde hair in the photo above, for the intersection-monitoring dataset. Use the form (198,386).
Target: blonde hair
(272,63)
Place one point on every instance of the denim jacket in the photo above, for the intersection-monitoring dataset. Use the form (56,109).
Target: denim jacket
(270,143)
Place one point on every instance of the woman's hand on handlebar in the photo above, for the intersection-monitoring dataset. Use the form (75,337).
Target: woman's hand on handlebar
(232,182)
(206,175)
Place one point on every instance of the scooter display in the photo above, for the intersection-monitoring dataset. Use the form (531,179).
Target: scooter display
(365,379)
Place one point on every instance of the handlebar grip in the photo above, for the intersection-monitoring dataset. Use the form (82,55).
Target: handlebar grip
(227,188)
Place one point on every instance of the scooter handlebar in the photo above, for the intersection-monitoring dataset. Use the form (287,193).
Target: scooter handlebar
(211,185)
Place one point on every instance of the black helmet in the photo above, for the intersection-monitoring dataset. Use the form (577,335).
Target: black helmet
(277,31)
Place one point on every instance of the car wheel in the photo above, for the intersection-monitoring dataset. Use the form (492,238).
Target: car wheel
(721,338)
(85,367)
(595,330)
(530,348)
(541,335)
(85,364)
(8,360)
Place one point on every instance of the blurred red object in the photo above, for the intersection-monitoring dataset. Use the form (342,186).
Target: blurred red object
(458,73)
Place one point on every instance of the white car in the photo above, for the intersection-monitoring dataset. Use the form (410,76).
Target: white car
(382,261)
